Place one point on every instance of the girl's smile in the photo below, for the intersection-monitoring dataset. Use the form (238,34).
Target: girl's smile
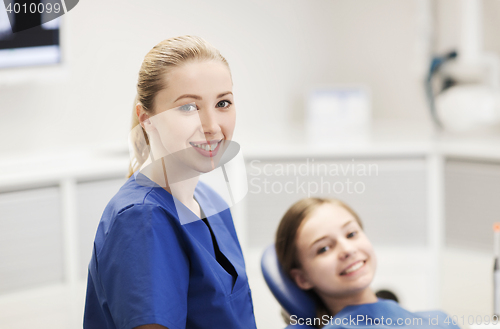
(354,268)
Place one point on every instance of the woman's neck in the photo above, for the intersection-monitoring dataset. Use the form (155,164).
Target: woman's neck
(336,303)
(175,179)
(184,192)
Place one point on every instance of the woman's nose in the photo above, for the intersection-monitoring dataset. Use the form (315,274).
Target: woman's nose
(209,122)
(346,249)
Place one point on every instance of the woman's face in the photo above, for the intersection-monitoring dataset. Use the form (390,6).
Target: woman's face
(195,115)
(336,257)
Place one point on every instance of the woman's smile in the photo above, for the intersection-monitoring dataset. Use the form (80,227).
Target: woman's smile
(207,148)
(354,268)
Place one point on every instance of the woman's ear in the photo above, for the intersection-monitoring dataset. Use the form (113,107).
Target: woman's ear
(300,279)
(143,116)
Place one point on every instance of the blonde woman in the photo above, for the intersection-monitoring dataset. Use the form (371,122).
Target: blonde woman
(166,254)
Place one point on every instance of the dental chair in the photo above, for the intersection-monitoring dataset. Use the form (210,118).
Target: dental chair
(291,298)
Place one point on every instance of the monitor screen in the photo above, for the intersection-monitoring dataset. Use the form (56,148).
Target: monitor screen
(37,46)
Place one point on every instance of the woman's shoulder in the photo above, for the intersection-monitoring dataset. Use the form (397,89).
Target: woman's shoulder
(132,194)
(136,205)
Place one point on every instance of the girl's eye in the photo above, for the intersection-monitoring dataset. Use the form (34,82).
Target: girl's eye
(224,104)
(352,234)
(324,249)
(188,108)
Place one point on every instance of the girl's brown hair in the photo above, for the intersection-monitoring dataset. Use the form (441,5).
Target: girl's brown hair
(158,61)
(286,235)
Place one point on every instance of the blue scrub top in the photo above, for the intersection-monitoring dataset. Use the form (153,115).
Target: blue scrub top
(382,314)
(147,267)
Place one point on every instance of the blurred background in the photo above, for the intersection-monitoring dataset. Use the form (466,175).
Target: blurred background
(407,90)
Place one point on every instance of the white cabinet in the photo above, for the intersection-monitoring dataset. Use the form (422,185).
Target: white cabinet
(472,203)
(30,239)
(49,212)
(33,244)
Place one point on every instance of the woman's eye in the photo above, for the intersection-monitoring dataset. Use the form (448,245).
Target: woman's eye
(324,249)
(352,234)
(224,104)
(188,108)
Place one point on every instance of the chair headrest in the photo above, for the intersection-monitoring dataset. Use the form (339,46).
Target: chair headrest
(293,299)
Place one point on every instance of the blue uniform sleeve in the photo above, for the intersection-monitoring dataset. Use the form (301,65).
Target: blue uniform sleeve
(144,269)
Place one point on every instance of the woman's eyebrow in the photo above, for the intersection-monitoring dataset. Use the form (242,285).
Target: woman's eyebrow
(324,237)
(317,240)
(199,97)
(188,96)
(224,94)
(347,223)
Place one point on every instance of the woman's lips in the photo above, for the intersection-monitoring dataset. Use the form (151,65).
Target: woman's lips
(353,268)
(207,149)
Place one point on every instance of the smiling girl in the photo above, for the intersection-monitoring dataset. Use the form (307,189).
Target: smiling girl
(166,254)
(321,244)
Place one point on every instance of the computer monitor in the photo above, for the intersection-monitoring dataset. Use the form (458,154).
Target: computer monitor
(32,54)
(36,46)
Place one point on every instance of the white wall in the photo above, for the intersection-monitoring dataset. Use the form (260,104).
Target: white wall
(491,10)
(447,25)
(277,50)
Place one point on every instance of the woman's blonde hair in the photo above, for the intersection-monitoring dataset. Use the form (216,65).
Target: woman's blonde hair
(164,56)
(286,237)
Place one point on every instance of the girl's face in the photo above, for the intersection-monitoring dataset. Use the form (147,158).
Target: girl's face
(195,115)
(336,256)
